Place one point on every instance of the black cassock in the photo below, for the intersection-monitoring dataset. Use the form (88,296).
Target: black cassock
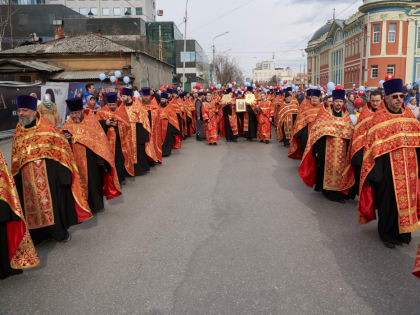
(119,156)
(169,140)
(60,180)
(252,123)
(318,152)
(303,136)
(96,167)
(227,110)
(381,180)
(6,215)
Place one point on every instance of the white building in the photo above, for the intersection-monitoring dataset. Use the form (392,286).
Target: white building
(266,70)
(145,9)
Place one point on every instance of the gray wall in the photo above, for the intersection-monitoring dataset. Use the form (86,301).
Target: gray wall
(149,71)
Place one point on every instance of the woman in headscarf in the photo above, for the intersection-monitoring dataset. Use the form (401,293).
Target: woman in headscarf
(48,109)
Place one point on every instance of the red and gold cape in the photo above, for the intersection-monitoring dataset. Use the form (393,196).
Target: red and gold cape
(124,128)
(285,116)
(45,141)
(22,253)
(338,130)
(357,143)
(397,135)
(306,115)
(89,134)
(156,140)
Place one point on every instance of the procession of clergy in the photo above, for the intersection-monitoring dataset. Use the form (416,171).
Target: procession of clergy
(60,177)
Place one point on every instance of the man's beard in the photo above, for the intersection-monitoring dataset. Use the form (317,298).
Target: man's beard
(26,121)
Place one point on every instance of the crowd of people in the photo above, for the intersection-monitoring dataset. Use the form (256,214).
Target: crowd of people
(61,172)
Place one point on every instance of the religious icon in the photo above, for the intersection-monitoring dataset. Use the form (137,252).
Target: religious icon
(240,106)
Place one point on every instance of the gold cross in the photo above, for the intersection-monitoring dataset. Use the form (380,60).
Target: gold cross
(29,149)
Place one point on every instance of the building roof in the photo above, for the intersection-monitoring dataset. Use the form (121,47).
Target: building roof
(81,75)
(80,44)
(321,31)
(33,64)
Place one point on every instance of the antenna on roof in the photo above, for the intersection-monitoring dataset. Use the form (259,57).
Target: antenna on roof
(334,14)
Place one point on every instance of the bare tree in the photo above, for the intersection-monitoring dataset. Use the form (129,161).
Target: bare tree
(227,70)
(7,10)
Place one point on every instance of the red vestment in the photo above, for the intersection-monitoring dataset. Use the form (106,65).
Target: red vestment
(285,120)
(209,111)
(22,253)
(397,135)
(265,112)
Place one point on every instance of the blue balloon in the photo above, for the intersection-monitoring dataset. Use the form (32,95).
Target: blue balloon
(331,86)
(230,85)
(219,86)
(234,82)
(112,79)
(409,87)
(362,88)
(126,80)
(254,86)
(102,76)
(117,74)
(381,83)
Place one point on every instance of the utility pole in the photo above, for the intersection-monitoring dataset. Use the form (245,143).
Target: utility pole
(185,45)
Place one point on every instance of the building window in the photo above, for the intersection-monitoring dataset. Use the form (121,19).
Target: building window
(392,30)
(376,35)
(117,11)
(357,46)
(374,72)
(83,11)
(139,11)
(127,11)
(105,11)
(94,11)
(390,69)
(188,56)
(418,37)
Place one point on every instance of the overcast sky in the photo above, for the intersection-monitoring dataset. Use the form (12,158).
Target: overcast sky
(257,28)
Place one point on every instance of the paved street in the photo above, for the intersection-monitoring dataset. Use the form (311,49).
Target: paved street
(219,230)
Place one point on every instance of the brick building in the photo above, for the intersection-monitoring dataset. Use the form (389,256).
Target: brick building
(382,37)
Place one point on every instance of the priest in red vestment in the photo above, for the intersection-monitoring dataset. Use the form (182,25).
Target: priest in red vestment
(389,180)
(286,118)
(116,124)
(265,119)
(307,113)
(170,125)
(351,174)
(325,154)
(209,111)
(93,155)
(17,251)
(46,176)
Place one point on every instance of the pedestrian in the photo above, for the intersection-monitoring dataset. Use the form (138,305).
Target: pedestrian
(46,176)
(389,175)
(48,109)
(170,125)
(116,124)
(229,119)
(250,116)
(93,156)
(17,251)
(286,119)
(349,105)
(209,110)
(200,128)
(324,158)
(92,104)
(265,114)
(414,107)
(308,111)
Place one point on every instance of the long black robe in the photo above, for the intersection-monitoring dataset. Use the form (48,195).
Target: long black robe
(252,123)
(381,180)
(60,180)
(6,215)
(227,110)
(318,152)
(303,135)
(96,168)
(200,128)
(119,156)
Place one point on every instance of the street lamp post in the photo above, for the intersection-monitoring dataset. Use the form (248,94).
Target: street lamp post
(185,45)
(214,51)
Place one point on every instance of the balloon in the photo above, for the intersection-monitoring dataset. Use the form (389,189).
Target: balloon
(167,86)
(112,79)
(285,81)
(389,76)
(229,85)
(126,80)
(381,83)
(353,119)
(409,87)
(117,74)
(359,102)
(339,87)
(179,84)
(102,76)
(361,92)
(325,88)
(418,81)
(116,81)
(219,86)
(331,86)
(178,88)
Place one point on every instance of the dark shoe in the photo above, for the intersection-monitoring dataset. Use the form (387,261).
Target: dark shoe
(389,245)
(67,239)
(210,143)
(267,141)
(405,238)
(215,143)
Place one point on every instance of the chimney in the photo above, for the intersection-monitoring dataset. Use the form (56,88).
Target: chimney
(58,29)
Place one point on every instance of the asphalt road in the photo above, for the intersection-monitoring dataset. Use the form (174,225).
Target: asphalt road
(219,230)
